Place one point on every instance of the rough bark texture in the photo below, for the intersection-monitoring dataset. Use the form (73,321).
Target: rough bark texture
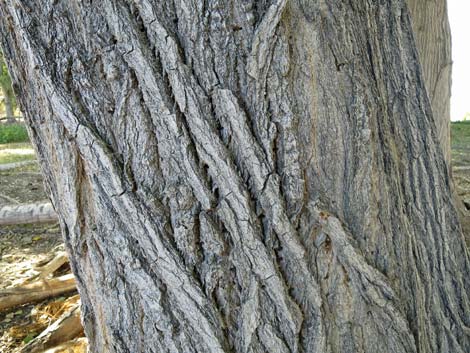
(244,176)
(433,38)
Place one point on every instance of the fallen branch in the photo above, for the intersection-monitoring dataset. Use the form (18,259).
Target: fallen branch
(60,259)
(66,328)
(50,266)
(36,291)
(31,213)
(78,345)
(8,166)
(11,118)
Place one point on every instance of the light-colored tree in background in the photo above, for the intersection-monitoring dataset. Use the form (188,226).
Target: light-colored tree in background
(6,90)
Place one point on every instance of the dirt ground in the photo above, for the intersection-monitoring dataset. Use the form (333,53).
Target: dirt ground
(22,248)
(26,179)
(461,170)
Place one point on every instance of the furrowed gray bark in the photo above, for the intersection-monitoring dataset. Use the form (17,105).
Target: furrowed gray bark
(433,39)
(244,176)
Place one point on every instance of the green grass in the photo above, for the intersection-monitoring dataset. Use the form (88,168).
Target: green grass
(10,133)
(16,152)
(460,134)
(13,158)
(16,145)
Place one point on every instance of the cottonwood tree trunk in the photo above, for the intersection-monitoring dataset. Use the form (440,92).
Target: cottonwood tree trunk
(244,176)
(433,38)
(7,91)
(8,101)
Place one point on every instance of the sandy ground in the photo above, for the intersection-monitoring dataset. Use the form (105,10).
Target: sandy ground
(22,248)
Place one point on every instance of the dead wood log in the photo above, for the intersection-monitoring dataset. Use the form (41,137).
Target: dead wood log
(64,329)
(8,166)
(29,213)
(78,345)
(36,291)
(60,259)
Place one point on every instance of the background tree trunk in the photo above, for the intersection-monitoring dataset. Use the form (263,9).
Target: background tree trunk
(244,176)
(433,38)
(7,91)
(8,101)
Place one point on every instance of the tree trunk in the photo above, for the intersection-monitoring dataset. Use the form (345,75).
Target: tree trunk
(244,176)
(8,101)
(5,87)
(433,38)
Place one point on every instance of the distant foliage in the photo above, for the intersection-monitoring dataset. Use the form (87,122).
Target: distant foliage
(10,133)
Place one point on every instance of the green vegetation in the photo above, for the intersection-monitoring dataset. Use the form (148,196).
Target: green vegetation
(15,145)
(13,133)
(16,152)
(460,134)
(9,156)
(460,141)
(13,158)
